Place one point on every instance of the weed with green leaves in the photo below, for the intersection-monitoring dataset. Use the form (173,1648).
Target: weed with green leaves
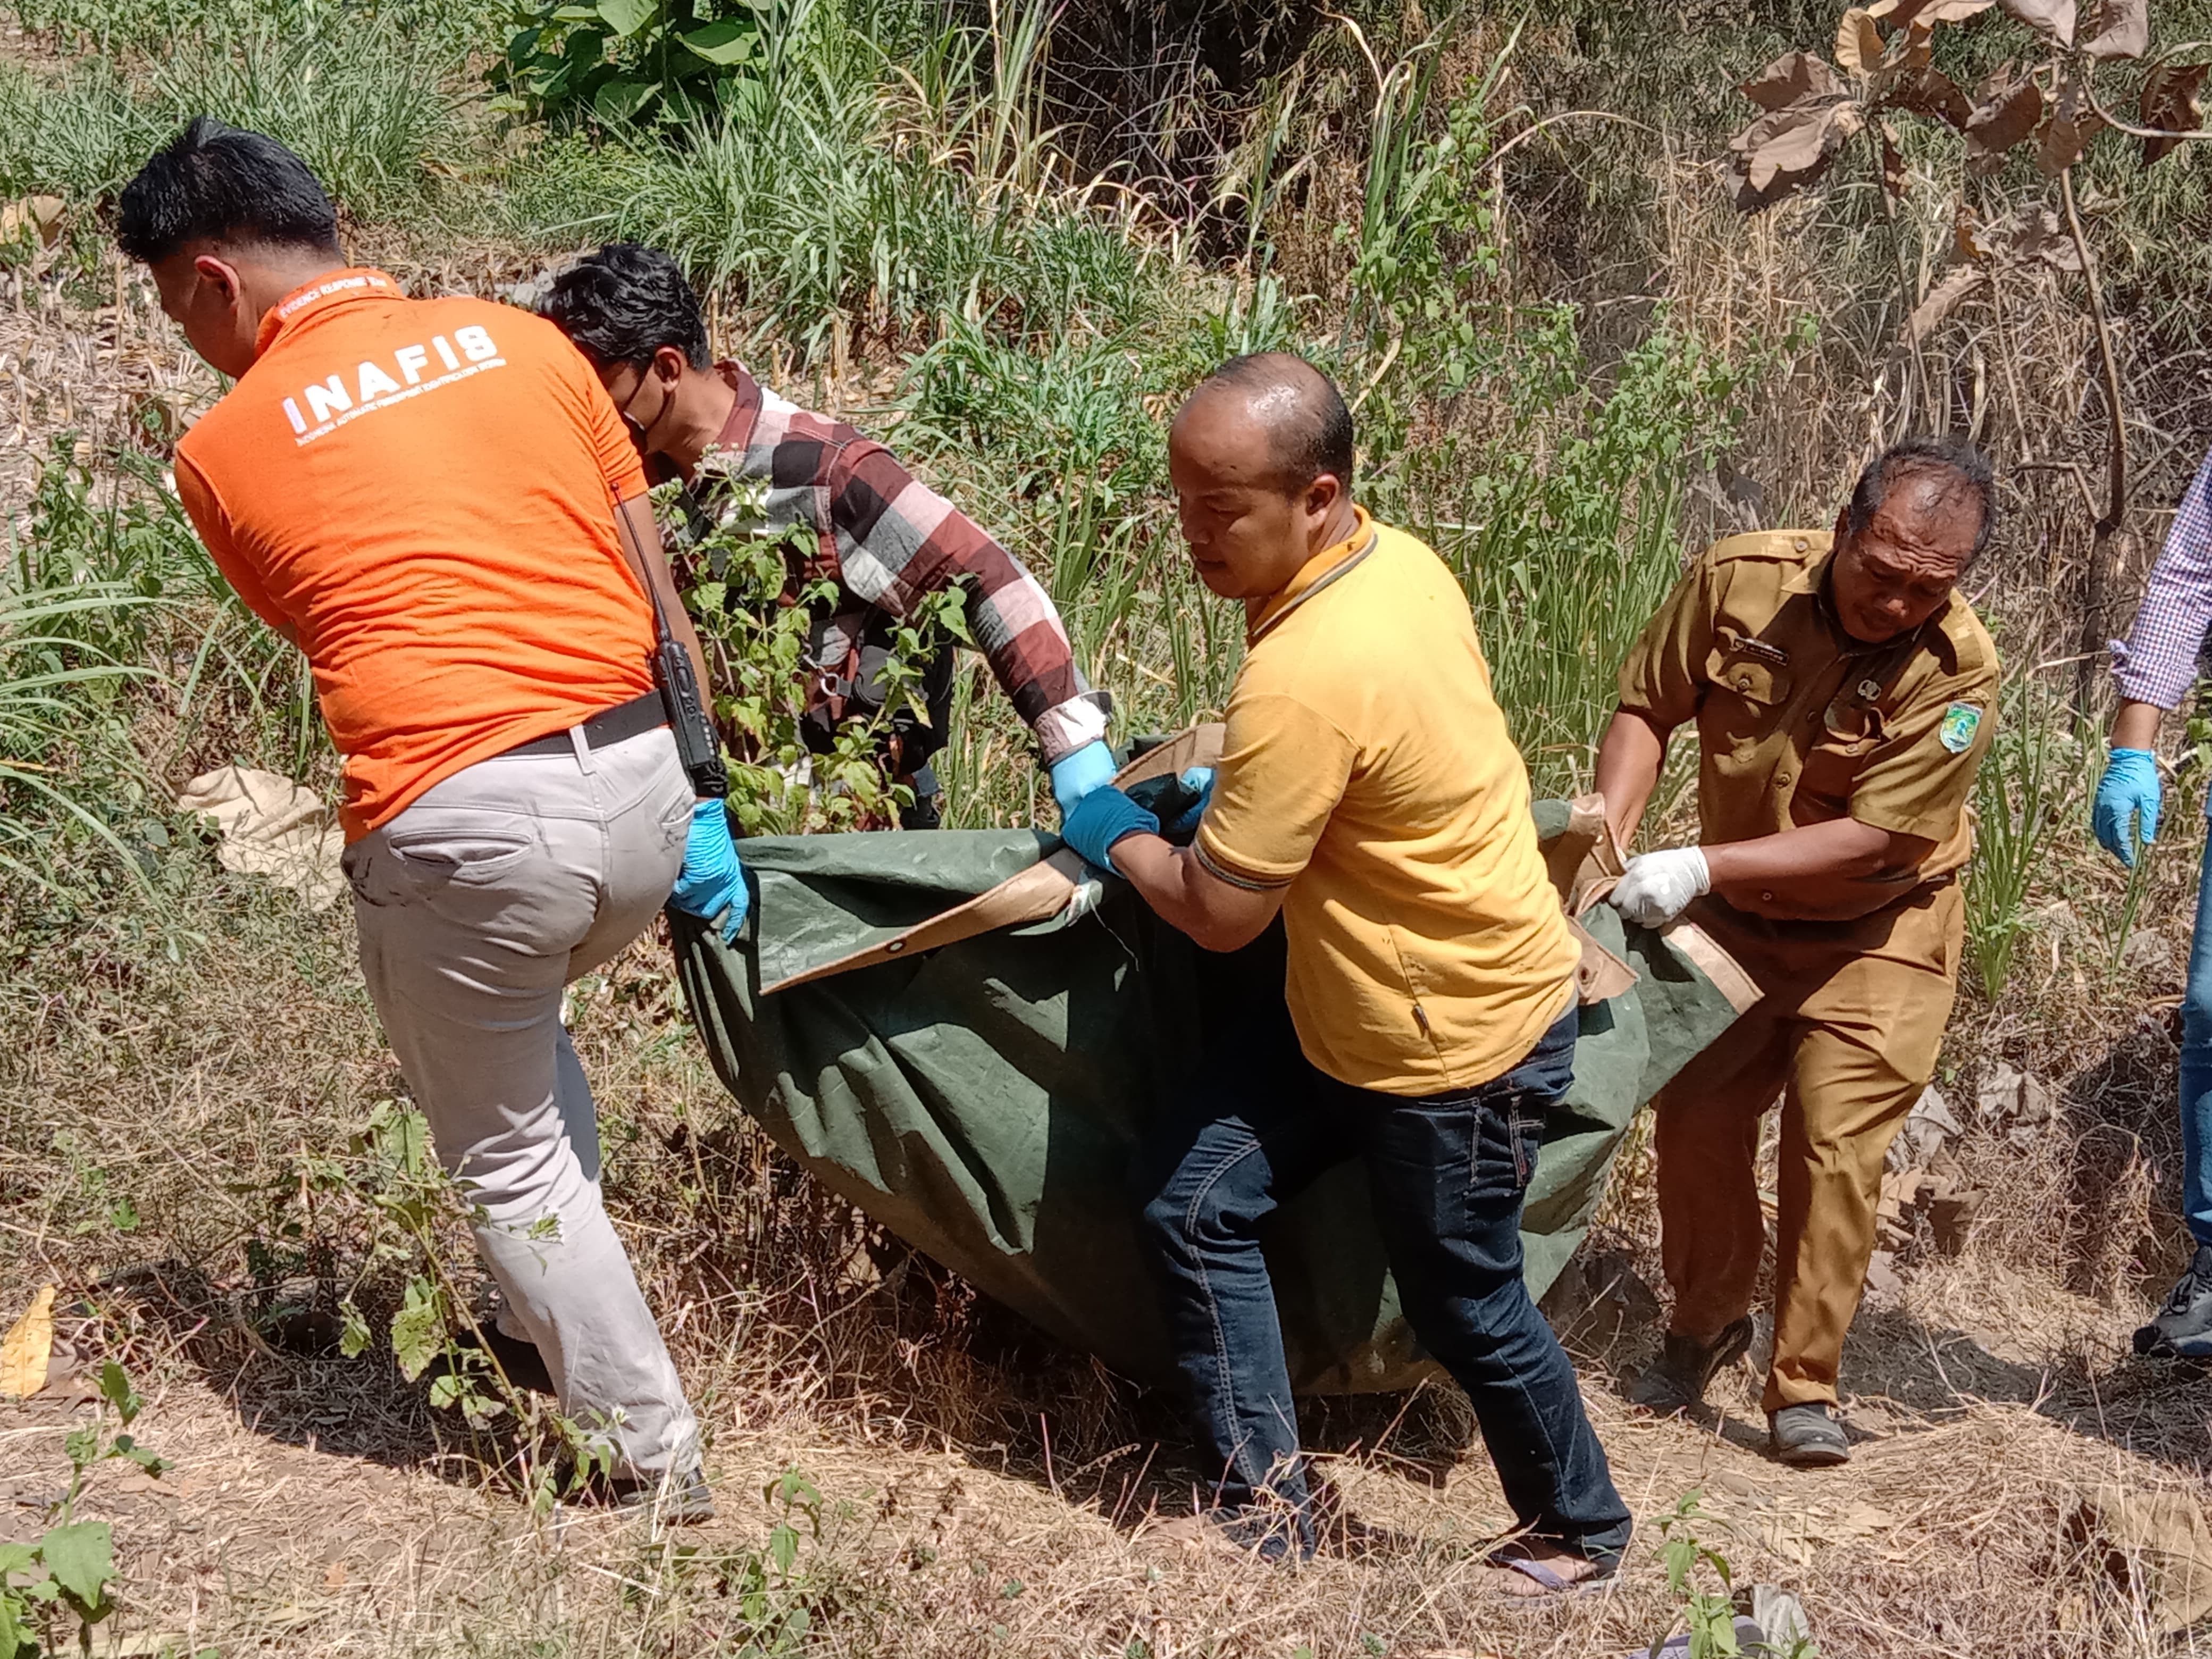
(68,1575)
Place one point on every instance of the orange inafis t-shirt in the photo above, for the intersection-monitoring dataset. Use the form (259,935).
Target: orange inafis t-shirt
(423,490)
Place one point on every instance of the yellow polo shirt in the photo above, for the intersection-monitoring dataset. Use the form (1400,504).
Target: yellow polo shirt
(1367,769)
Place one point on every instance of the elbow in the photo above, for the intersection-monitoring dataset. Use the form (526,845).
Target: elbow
(1883,852)
(1222,937)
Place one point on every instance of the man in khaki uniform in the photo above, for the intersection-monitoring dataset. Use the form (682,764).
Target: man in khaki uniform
(1844,695)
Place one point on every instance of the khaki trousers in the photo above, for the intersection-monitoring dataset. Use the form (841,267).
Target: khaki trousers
(476,906)
(1847,1034)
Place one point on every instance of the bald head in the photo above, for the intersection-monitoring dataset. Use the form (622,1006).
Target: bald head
(1261,456)
(1297,410)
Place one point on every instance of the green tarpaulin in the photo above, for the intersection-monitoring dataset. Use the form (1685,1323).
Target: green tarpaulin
(982,1100)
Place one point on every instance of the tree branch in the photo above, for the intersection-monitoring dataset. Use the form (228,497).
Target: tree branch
(2089,92)
(2116,508)
(2116,476)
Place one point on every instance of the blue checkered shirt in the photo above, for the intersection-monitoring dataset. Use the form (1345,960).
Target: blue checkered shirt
(2157,661)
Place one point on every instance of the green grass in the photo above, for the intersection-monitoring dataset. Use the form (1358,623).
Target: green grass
(2021,802)
(115,624)
(844,190)
(376,100)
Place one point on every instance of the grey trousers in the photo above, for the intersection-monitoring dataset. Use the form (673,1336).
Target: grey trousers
(476,906)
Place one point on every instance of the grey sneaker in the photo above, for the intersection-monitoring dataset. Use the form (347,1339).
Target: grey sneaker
(1678,1379)
(2182,1328)
(1807,1438)
(678,1500)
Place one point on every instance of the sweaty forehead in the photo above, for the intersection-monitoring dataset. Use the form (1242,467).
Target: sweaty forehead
(1222,431)
(1927,523)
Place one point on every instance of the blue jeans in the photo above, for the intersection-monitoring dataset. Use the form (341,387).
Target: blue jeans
(2197,1068)
(1447,1174)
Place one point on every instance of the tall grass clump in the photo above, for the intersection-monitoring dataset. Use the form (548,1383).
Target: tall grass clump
(125,664)
(2020,800)
(839,194)
(376,101)
(1565,520)
(82,140)
(55,690)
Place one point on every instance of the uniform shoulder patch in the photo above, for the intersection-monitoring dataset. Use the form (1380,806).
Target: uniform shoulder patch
(1960,721)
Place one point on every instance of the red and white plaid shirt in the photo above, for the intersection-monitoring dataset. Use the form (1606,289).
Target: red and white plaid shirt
(2157,661)
(888,540)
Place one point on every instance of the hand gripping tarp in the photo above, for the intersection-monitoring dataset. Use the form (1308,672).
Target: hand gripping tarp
(966,1033)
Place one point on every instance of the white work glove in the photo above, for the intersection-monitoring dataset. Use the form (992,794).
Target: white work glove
(1659,886)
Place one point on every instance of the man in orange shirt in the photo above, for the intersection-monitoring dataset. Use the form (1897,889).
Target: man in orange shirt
(425,496)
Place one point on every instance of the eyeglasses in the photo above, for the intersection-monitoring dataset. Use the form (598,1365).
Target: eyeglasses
(640,432)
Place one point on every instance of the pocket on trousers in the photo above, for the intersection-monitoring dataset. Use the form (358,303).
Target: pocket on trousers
(1504,1138)
(1524,1128)
(468,857)
(357,864)
(676,820)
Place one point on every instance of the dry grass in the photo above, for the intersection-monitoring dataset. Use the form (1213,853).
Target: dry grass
(985,1489)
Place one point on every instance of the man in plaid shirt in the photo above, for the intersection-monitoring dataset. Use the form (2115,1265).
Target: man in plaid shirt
(886,540)
(2155,667)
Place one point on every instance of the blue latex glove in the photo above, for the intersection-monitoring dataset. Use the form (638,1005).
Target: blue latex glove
(712,885)
(1199,778)
(1101,819)
(2128,800)
(1073,776)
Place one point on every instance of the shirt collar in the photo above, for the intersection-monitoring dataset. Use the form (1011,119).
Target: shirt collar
(327,292)
(744,414)
(1316,573)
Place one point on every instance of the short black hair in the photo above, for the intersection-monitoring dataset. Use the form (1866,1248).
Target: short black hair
(221,184)
(1313,435)
(1965,466)
(624,303)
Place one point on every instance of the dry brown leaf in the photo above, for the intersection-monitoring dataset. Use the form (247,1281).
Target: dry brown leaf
(1790,77)
(2171,103)
(32,216)
(1894,178)
(1942,300)
(1858,43)
(29,1347)
(2122,30)
(2072,125)
(2037,233)
(1931,93)
(2032,234)
(2008,114)
(2163,1547)
(1910,49)
(272,827)
(1787,150)
(2053,17)
(1928,13)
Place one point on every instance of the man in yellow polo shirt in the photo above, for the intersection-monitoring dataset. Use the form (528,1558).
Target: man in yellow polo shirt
(1369,791)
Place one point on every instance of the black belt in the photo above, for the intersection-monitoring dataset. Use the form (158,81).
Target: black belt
(616,725)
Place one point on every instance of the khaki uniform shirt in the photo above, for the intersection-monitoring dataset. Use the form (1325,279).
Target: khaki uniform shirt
(1798,723)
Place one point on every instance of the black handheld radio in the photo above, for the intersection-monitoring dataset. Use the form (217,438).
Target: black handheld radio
(696,746)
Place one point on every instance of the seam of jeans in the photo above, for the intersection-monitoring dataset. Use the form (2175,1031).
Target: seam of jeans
(1224,1371)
